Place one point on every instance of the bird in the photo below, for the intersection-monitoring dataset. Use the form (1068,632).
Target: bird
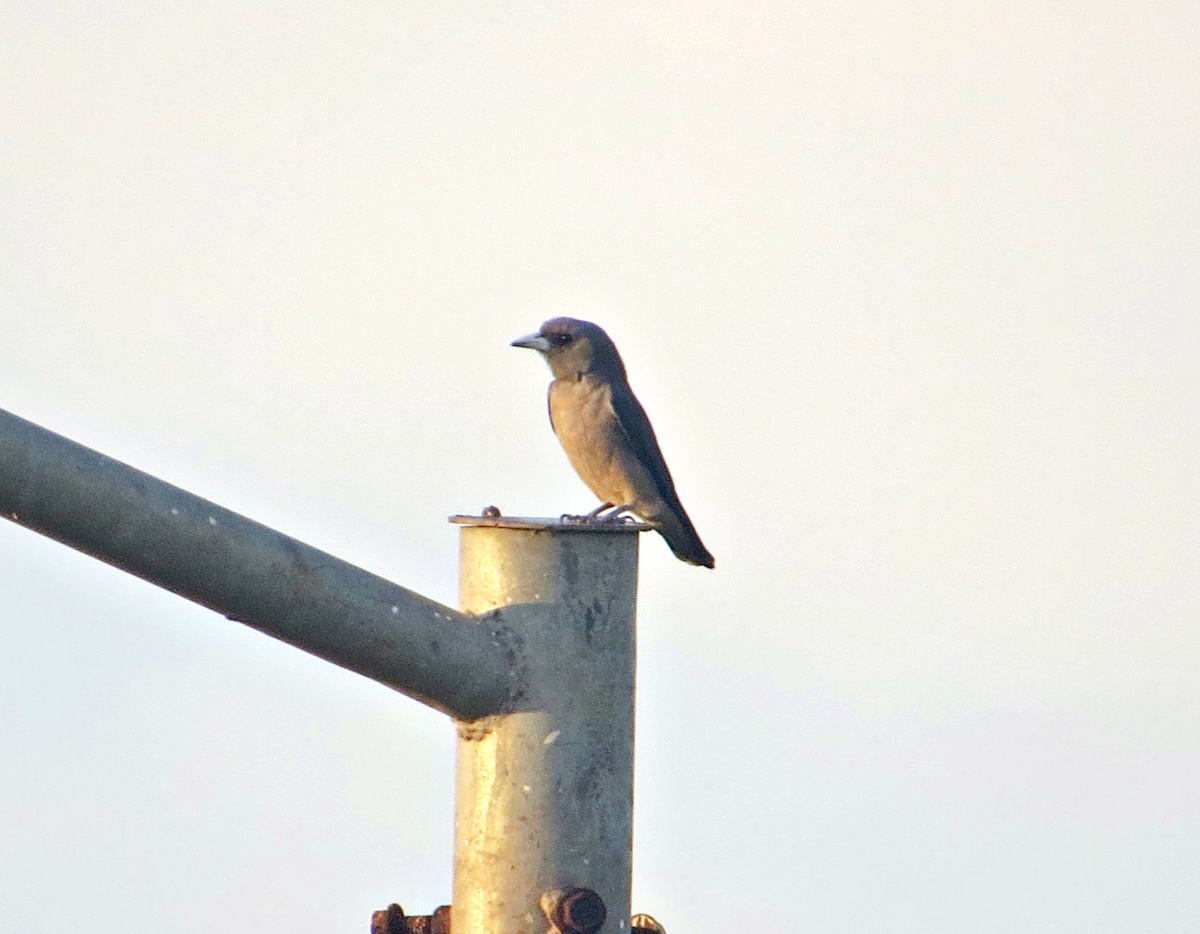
(606,434)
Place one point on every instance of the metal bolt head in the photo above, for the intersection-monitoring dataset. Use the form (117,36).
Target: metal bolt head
(439,921)
(646,923)
(389,921)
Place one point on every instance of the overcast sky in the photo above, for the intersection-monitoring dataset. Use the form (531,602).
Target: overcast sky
(910,292)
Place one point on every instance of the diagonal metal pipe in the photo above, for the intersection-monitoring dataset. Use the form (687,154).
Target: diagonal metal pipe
(252,574)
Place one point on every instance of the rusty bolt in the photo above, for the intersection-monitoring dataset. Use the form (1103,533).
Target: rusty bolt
(578,911)
(645,923)
(389,921)
(491,512)
(439,921)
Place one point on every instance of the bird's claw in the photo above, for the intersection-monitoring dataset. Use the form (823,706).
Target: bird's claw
(621,514)
(618,515)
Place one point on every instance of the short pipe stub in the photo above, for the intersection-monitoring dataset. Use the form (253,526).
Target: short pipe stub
(575,911)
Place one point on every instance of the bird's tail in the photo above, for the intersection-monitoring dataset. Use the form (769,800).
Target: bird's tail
(675,526)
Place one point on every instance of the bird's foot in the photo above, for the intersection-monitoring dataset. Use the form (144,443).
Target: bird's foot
(586,518)
(618,514)
(597,516)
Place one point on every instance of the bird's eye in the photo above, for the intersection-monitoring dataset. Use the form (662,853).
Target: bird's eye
(560,339)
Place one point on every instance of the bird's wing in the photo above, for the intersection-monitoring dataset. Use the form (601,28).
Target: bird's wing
(673,524)
(631,417)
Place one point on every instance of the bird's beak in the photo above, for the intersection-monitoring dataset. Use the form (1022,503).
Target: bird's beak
(533,342)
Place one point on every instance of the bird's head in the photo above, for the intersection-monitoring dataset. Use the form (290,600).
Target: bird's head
(573,347)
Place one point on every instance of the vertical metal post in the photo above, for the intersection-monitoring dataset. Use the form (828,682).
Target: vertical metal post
(545,790)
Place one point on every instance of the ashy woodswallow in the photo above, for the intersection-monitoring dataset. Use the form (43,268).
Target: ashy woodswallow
(605,432)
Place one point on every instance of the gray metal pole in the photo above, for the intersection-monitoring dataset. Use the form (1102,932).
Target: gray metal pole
(540,676)
(545,791)
(251,573)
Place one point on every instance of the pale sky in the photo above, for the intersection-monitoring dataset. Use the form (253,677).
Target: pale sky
(910,293)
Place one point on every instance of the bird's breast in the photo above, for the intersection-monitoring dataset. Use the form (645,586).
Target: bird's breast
(587,426)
